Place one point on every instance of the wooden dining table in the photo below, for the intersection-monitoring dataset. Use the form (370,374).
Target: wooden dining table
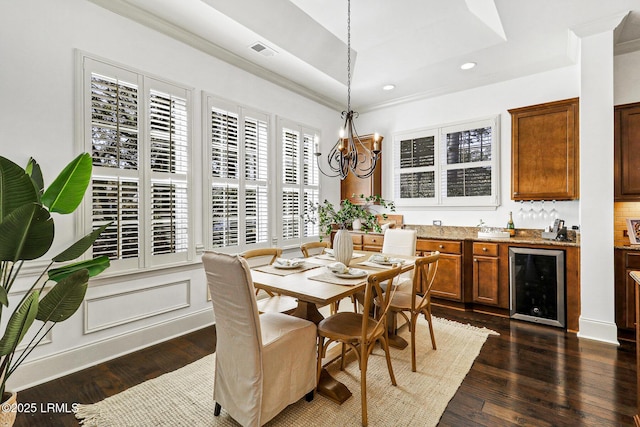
(312,293)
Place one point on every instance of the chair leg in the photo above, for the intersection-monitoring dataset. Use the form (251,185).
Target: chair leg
(427,314)
(364,355)
(385,346)
(320,348)
(216,409)
(344,352)
(309,396)
(414,320)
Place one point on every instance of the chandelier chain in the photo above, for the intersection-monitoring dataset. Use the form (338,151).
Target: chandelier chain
(348,55)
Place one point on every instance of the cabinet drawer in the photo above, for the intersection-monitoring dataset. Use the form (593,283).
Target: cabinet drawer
(485,249)
(633,261)
(372,240)
(357,239)
(444,246)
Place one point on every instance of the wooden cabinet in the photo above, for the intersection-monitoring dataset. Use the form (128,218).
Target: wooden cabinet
(448,283)
(626,149)
(372,242)
(368,186)
(486,289)
(545,151)
(625,287)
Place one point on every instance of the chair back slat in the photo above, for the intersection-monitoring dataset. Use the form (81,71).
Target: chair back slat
(426,268)
(263,255)
(373,292)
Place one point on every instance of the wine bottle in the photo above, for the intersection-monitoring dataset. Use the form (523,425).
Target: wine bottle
(510,225)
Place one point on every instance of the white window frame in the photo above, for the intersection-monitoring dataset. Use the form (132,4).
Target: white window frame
(243,113)
(143,175)
(440,167)
(307,232)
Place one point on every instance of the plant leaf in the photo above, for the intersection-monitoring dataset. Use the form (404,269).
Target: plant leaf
(34,171)
(64,298)
(66,192)
(4,298)
(19,324)
(94,267)
(80,247)
(16,188)
(26,233)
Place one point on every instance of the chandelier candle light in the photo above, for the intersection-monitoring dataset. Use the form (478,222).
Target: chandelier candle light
(350,155)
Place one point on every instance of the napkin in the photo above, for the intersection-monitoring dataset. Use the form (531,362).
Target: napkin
(289,262)
(338,267)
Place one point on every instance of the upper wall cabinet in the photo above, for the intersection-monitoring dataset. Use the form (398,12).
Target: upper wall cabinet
(370,186)
(545,151)
(627,147)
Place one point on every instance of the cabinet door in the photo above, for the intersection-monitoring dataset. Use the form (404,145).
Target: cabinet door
(627,145)
(485,280)
(544,151)
(368,186)
(448,281)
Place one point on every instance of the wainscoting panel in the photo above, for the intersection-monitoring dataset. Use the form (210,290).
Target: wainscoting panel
(126,307)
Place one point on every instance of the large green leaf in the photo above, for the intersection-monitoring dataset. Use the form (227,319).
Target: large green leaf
(94,266)
(4,298)
(66,192)
(64,298)
(16,188)
(19,324)
(34,171)
(79,247)
(26,233)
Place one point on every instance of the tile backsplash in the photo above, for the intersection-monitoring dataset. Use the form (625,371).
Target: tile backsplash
(622,211)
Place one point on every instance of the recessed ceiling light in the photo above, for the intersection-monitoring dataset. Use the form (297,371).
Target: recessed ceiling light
(388,87)
(468,65)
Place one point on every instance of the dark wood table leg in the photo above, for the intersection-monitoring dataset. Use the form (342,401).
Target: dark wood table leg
(328,386)
(395,340)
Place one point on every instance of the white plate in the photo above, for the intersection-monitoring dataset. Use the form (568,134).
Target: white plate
(354,273)
(389,261)
(293,265)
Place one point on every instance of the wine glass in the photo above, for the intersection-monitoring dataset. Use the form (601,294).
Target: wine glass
(532,212)
(521,212)
(553,213)
(544,215)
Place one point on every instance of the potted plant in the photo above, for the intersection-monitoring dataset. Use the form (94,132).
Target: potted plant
(27,233)
(329,218)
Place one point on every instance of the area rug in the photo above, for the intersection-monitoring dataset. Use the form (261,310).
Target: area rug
(184,397)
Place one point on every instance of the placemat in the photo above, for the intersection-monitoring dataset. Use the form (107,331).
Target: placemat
(329,277)
(285,271)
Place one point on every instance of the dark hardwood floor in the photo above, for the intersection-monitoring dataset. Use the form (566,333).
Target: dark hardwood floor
(530,375)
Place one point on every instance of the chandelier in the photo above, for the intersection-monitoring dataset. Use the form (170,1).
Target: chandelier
(350,154)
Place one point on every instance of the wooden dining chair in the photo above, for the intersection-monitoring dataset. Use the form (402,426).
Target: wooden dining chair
(414,303)
(273,303)
(359,332)
(310,249)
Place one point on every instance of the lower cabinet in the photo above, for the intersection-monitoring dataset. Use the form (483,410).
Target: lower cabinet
(449,282)
(625,288)
(486,289)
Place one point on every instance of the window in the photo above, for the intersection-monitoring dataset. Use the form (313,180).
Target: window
(137,131)
(299,182)
(238,152)
(453,165)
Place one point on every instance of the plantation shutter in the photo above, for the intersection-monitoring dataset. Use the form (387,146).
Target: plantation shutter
(310,181)
(256,132)
(291,141)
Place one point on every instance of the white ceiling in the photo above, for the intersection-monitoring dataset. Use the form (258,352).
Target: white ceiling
(417,45)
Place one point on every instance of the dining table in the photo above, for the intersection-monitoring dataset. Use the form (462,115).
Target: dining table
(315,286)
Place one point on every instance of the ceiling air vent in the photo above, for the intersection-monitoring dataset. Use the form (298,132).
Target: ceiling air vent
(262,49)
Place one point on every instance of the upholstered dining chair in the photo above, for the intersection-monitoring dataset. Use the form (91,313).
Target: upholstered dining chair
(398,241)
(360,332)
(414,303)
(273,303)
(264,362)
(314,248)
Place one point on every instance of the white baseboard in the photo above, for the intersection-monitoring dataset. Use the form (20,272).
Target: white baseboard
(598,330)
(60,364)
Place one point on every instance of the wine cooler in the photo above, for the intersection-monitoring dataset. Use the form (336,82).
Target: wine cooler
(537,285)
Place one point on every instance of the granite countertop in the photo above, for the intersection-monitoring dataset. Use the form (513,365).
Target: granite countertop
(526,236)
(628,247)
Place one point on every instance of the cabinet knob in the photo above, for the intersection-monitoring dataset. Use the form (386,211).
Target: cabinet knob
(441,246)
(475,260)
(484,249)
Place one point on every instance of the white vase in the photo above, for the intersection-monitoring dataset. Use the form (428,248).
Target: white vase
(343,246)
(357,224)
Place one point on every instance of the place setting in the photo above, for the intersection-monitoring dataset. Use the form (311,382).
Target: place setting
(286,266)
(339,274)
(328,255)
(382,261)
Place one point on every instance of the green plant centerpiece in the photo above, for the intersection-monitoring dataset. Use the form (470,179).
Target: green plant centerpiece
(27,233)
(328,218)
